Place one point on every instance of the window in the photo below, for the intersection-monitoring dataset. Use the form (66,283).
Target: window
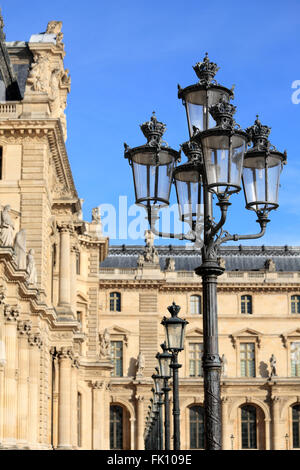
(195,305)
(79,319)
(296,426)
(117,358)
(246,304)
(295,359)
(116,427)
(248,422)
(196,427)
(115,302)
(247,359)
(195,359)
(77,262)
(79,415)
(295,304)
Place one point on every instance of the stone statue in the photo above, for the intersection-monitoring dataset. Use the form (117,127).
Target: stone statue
(151,255)
(54,27)
(273,367)
(140,365)
(20,249)
(221,262)
(7,228)
(140,261)
(31,268)
(96,215)
(54,96)
(38,76)
(270,265)
(170,264)
(105,344)
(224,365)
(65,78)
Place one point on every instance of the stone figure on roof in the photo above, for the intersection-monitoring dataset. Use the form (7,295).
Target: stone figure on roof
(31,268)
(20,249)
(270,265)
(224,365)
(170,264)
(38,76)
(54,27)
(151,255)
(96,215)
(7,228)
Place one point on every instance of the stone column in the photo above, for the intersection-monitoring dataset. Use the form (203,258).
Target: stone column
(140,423)
(98,415)
(74,393)
(64,399)
(35,344)
(64,268)
(73,278)
(24,328)
(226,444)
(11,315)
(277,439)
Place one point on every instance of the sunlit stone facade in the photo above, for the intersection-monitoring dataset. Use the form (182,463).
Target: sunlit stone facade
(74,318)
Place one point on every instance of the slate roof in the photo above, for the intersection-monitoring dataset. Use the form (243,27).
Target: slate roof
(237,258)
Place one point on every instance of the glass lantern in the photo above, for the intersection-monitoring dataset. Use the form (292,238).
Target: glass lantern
(164,360)
(174,329)
(152,166)
(262,168)
(223,149)
(198,98)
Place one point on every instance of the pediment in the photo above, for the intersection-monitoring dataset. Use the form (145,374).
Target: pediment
(194,332)
(290,335)
(246,333)
(116,331)
(81,297)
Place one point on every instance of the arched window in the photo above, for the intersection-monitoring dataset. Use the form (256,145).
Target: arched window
(116,427)
(296,426)
(195,304)
(249,431)
(196,427)
(295,304)
(246,304)
(115,302)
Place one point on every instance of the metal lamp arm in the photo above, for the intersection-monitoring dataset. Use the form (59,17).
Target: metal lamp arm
(263,226)
(152,218)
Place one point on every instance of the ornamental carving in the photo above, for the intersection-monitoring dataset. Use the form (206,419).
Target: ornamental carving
(38,78)
(34,339)
(65,353)
(24,327)
(98,385)
(105,344)
(11,313)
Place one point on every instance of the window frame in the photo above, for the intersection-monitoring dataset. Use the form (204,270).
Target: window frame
(254,360)
(195,405)
(291,303)
(115,300)
(121,427)
(190,343)
(249,405)
(199,303)
(121,358)
(246,294)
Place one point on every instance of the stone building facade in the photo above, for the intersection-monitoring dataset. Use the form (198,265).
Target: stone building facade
(75,316)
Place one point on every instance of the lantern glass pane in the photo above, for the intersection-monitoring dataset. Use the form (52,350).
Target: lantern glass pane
(197,103)
(261,181)
(165,367)
(153,176)
(188,190)
(174,336)
(224,161)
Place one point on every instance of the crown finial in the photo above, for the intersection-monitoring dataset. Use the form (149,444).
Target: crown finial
(153,130)
(222,113)
(259,135)
(174,309)
(206,70)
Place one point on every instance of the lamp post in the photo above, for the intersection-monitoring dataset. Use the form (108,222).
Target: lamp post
(219,164)
(164,360)
(158,384)
(175,333)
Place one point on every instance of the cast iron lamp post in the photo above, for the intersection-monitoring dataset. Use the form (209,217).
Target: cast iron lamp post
(218,162)
(175,333)
(158,386)
(164,360)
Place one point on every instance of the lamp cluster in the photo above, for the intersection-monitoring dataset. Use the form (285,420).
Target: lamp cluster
(218,156)
(157,431)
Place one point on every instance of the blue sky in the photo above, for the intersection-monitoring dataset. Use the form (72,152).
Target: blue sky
(125,60)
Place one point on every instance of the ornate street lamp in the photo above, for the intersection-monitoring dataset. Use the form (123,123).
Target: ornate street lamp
(219,164)
(175,333)
(164,360)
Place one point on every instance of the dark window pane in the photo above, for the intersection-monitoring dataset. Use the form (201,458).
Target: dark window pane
(116,427)
(196,427)
(249,431)
(115,302)
(296,426)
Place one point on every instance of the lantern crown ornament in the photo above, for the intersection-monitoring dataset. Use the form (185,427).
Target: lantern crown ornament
(174,309)
(153,130)
(223,113)
(192,151)
(259,135)
(206,70)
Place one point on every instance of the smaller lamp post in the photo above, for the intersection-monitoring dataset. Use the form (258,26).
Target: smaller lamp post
(164,360)
(232,441)
(158,384)
(175,333)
